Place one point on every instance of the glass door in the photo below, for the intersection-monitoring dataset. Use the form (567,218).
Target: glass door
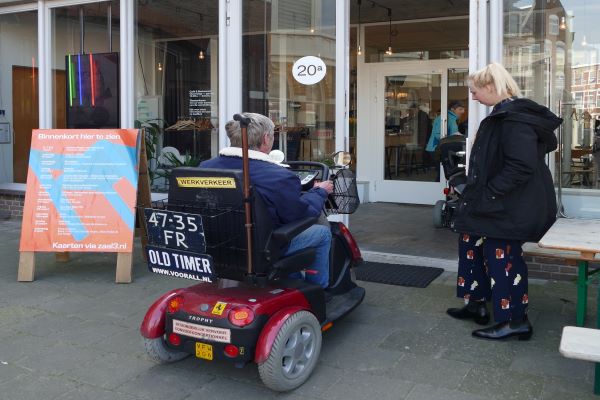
(409,115)
(412,103)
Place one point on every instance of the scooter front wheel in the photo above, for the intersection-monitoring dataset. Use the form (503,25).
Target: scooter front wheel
(158,351)
(294,354)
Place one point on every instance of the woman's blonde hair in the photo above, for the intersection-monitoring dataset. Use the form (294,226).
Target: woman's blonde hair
(496,75)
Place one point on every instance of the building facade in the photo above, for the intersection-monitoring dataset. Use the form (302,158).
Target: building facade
(371,77)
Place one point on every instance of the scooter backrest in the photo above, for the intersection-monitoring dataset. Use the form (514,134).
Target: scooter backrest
(218,196)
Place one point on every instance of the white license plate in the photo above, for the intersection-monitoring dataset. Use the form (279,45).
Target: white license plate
(201,331)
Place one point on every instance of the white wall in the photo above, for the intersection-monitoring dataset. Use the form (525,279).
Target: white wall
(581,203)
(18,44)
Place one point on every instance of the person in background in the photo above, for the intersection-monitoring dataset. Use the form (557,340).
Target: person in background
(455,110)
(280,189)
(509,199)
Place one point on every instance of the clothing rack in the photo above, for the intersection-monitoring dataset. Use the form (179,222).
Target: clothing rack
(191,124)
(195,125)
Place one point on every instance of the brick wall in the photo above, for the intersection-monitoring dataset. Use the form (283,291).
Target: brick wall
(11,204)
(553,268)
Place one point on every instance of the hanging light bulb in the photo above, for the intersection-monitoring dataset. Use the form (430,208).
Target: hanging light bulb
(389,49)
(358,48)
(159,66)
(201,53)
(563,24)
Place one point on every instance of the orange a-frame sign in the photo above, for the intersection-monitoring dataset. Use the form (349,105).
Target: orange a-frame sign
(81,193)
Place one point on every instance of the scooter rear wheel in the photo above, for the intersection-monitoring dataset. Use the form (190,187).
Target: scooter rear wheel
(294,354)
(158,351)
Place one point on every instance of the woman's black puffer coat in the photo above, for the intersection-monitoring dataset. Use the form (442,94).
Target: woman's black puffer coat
(510,192)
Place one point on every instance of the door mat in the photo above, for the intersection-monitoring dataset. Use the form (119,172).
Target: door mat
(397,274)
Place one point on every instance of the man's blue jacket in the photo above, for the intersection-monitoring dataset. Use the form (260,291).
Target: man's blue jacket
(279,187)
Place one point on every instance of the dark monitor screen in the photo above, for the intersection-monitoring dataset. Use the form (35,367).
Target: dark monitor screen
(92,90)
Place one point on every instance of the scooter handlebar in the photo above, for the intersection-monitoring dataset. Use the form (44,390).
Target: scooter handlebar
(323,168)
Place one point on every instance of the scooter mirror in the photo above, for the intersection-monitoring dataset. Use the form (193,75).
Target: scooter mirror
(342,158)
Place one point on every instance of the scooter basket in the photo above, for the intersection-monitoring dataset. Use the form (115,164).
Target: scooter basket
(344,199)
(223,232)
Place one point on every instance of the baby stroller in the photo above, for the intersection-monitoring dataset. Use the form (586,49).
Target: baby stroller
(452,156)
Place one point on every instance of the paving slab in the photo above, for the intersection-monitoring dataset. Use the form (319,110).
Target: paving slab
(502,383)
(428,392)
(447,374)
(173,382)
(352,385)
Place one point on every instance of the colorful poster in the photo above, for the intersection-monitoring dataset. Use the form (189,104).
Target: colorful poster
(81,190)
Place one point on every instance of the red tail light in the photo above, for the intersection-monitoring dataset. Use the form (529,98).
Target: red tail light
(174,304)
(174,339)
(231,351)
(446,191)
(241,316)
(356,256)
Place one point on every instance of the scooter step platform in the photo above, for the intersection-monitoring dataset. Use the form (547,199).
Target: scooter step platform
(342,304)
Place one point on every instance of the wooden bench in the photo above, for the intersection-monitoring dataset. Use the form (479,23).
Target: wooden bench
(582,344)
(583,272)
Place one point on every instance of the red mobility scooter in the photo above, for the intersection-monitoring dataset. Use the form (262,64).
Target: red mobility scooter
(215,228)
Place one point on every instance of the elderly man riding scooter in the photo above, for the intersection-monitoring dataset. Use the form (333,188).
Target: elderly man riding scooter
(280,189)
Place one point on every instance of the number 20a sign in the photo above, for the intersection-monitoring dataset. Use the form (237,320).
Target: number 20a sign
(309,70)
(175,230)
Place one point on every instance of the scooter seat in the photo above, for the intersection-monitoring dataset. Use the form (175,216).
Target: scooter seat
(293,263)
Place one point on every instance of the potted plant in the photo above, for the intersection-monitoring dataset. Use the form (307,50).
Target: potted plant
(153,130)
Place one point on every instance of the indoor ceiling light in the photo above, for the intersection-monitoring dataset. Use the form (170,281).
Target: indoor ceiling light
(389,49)
(201,53)
(358,48)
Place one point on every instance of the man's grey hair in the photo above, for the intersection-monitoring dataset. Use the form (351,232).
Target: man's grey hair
(258,127)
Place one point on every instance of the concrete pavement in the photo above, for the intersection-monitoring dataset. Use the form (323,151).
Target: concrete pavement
(73,334)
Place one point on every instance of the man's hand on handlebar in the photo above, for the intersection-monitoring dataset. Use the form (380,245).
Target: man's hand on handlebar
(326,185)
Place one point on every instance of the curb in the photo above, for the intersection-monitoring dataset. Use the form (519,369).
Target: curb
(391,258)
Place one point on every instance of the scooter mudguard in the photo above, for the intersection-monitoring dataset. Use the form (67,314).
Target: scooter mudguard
(153,325)
(270,331)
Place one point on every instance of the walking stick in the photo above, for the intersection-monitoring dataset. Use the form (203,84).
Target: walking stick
(244,121)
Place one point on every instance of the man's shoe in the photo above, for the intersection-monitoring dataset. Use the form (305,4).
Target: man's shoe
(475,310)
(521,328)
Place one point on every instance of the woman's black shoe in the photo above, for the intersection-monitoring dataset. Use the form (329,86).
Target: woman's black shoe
(475,310)
(521,328)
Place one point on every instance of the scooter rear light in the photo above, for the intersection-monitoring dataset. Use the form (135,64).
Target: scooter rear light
(174,304)
(446,191)
(174,339)
(356,256)
(231,351)
(241,316)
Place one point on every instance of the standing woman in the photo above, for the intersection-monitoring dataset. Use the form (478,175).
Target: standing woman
(509,199)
